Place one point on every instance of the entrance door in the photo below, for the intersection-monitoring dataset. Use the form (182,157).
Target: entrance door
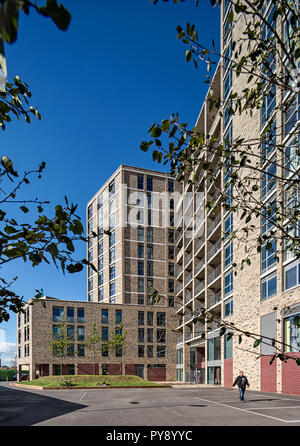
(139,370)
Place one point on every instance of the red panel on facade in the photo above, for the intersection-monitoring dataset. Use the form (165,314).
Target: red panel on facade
(228,372)
(268,374)
(88,369)
(156,374)
(291,376)
(129,369)
(114,369)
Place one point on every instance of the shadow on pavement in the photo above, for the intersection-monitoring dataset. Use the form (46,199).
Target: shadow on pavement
(25,408)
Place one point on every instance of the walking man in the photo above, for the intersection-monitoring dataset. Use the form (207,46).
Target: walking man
(242,381)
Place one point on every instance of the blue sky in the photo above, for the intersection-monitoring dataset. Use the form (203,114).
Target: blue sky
(99,87)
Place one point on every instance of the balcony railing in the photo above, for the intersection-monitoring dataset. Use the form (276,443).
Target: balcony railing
(214,224)
(188,276)
(199,243)
(214,274)
(188,296)
(179,287)
(188,258)
(199,266)
(191,335)
(214,300)
(214,249)
(199,287)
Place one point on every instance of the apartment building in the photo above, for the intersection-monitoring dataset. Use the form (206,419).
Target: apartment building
(148,350)
(131,242)
(264,297)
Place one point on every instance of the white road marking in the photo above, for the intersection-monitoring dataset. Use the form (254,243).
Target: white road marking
(248,411)
(82,396)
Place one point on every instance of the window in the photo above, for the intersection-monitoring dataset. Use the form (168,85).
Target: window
(228,254)
(90,212)
(228,226)
(214,349)
(228,307)
(140,285)
(268,286)
(100,263)
(171,286)
(58,314)
(90,285)
(80,333)
(268,253)
(70,314)
(150,269)
(179,356)
(90,255)
(140,234)
(80,314)
(149,334)
(118,317)
(140,182)
(112,288)
(170,186)
(171,269)
(141,337)
(104,336)
(228,283)
(268,216)
(171,219)
(100,201)
(70,350)
(100,280)
(70,332)
(269,142)
(104,351)
(140,251)
(292,275)
(292,115)
(104,316)
(140,268)
(149,252)
(141,351)
(268,178)
(100,294)
(149,184)
(268,105)
(292,156)
(227,347)
(111,189)
(227,84)
(112,221)
(161,336)
(172,204)
(150,235)
(149,317)
(141,299)
(150,351)
(140,318)
(291,331)
(100,248)
(80,349)
(149,200)
(112,239)
(171,301)
(161,319)
(149,217)
(112,255)
(161,351)
(171,252)
(171,237)
(112,272)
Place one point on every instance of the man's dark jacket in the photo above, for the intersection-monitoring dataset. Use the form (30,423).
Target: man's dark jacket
(239,381)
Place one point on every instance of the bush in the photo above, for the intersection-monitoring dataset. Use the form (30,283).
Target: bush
(67,383)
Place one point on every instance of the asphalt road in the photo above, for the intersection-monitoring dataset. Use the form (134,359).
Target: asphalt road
(145,407)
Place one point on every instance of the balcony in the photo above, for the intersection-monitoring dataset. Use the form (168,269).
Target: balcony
(199,266)
(188,277)
(188,296)
(214,249)
(178,288)
(200,287)
(190,336)
(214,224)
(188,258)
(198,243)
(214,300)
(214,274)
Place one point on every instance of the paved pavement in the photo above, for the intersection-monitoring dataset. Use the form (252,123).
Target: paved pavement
(146,407)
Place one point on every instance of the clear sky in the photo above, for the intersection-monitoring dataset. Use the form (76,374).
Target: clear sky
(99,87)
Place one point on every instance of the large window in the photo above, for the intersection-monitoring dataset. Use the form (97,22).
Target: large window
(269,286)
(80,314)
(104,316)
(269,178)
(227,347)
(228,285)
(268,255)
(291,330)
(228,254)
(214,349)
(292,275)
(58,314)
(228,307)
